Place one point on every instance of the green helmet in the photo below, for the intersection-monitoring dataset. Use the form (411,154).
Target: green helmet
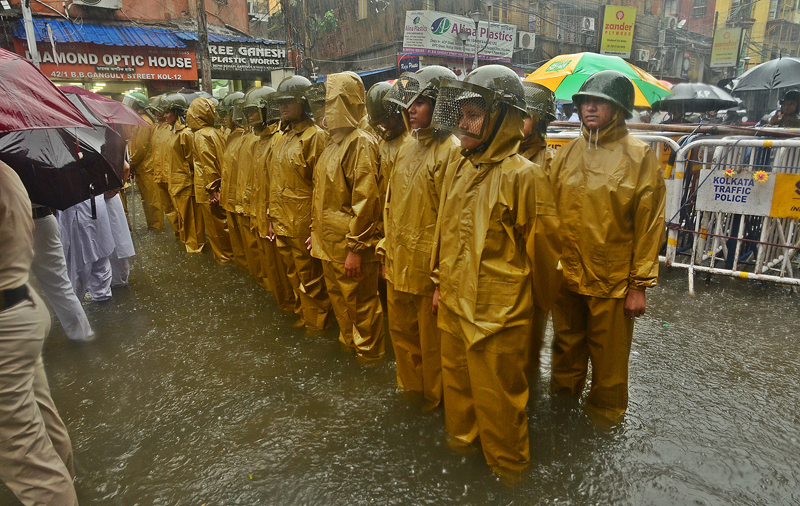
(155,106)
(381,111)
(292,87)
(315,95)
(430,79)
(404,90)
(136,98)
(175,102)
(260,99)
(225,107)
(540,101)
(610,85)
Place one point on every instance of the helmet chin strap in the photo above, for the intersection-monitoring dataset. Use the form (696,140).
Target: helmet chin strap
(485,144)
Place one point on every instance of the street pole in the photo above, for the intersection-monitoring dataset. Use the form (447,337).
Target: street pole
(30,33)
(202,47)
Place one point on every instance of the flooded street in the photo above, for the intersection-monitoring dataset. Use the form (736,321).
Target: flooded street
(198,390)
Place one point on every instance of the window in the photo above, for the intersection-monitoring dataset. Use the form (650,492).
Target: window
(362,9)
(699,8)
(429,5)
(500,11)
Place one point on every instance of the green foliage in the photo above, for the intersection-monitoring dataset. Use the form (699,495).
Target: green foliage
(328,23)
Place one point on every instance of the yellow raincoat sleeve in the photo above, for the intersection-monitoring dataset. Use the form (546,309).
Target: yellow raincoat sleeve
(543,243)
(648,234)
(207,151)
(360,166)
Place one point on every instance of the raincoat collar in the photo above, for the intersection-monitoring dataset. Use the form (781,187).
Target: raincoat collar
(505,142)
(345,102)
(532,145)
(614,131)
(298,128)
(268,130)
(200,114)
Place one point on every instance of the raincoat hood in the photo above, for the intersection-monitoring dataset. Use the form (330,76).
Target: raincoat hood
(615,130)
(200,114)
(345,102)
(504,142)
(532,145)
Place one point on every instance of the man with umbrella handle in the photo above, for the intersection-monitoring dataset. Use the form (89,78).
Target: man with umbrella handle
(610,197)
(36,452)
(787,116)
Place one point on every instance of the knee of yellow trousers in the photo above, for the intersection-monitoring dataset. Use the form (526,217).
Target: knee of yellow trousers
(459,409)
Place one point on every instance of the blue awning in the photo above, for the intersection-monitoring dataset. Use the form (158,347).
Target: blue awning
(215,37)
(109,35)
(362,74)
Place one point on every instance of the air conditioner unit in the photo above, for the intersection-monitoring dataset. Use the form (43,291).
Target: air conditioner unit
(251,9)
(103,4)
(671,22)
(642,55)
(587,24)
(526,40)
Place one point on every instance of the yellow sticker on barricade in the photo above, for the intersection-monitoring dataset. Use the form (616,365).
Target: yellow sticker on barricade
(786,196)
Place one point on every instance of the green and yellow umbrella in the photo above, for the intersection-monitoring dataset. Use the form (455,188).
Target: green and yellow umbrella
(566,73)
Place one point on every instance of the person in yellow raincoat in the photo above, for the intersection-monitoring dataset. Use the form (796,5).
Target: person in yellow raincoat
(291,188)
(160,140)
(181,179)
(487,218)
(138,149)
(232,124)
(387,122)
(409,220)
(610,196)
(208,147)
(345,217)
(264,120)
(540,104)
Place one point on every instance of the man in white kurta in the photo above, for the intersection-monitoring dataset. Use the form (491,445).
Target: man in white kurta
(123,244)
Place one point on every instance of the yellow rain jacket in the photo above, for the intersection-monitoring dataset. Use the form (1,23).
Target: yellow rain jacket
(139,146)
(243,164)
(179,160)
(160,142)
(412,205)
(346,200)
(480,257)
(610,196)
(291,183)
(263,167)
(208,148)
(230,171)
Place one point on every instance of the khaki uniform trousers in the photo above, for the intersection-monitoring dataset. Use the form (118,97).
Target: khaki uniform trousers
(35,449)
(308,282)
(593,328)
(275,275)
(486,391)
(252,251)
(149,192)
(216,230)
(417,343)
(357,307)
(167,206)
(190,216)
(237,244)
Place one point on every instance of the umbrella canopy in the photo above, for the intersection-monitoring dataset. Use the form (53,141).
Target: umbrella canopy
(105,109)
(770,75)
(696,97)
(566,73)
(29,100)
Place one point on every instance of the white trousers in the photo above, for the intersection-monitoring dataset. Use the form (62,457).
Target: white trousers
(94,278)
(50,269)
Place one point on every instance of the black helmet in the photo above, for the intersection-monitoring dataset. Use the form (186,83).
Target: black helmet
(540,101)
(258,99)
(175,102)
(292,87)
(791,94)
(610,85)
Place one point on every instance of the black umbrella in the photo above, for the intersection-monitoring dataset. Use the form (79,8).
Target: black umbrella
(696,97)
(771,75)
(193,94)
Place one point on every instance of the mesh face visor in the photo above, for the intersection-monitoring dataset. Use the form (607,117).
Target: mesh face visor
(237,114)
(404,90)
(315,96)
(463,109)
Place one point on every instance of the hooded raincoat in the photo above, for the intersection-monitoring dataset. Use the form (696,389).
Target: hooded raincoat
(346,215)
(181,187)
(610,195)
(139,147)
(157,157)
(487,220)
(207,152)
(241,200)
(227,192)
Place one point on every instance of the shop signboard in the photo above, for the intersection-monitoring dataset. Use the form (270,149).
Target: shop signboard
(113,63)
(431,33)
(245,59)
(407,63)
(617,31)
(725,48)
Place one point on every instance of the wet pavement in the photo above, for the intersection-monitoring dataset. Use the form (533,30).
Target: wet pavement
(198,391)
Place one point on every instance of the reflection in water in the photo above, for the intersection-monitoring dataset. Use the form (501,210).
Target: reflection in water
(198,390)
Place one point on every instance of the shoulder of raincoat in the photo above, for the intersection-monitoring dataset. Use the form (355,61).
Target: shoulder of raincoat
(412,205)
(290,191)
(610,195)
(181,180)
(387,156)
(244,164)
(485,225)
(233,142)
(139,145)
(262,165)
(208,148)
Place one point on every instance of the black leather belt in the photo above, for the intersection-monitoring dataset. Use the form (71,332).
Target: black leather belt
(41,212)
(9,298)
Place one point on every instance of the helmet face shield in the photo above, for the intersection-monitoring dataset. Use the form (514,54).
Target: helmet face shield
(253,115)
(463,109)
(404,91)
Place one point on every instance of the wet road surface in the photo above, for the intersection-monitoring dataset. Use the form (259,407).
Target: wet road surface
(199,391)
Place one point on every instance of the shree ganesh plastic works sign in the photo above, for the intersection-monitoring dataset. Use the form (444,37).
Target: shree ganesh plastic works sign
(617,31)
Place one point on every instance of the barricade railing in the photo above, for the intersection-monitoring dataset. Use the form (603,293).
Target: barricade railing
(734,209)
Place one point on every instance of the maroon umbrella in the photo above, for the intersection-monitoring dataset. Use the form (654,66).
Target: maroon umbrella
(29,100)
(107,110)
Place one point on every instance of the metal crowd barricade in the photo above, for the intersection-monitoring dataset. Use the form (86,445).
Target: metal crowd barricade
(729,224)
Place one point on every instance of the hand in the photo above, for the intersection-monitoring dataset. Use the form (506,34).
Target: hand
(435,305)
(776,118)
(634,303)
(308,243)
(271,233)
(352,265)
(213,198)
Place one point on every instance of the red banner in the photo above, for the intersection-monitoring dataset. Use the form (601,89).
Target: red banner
(113,63)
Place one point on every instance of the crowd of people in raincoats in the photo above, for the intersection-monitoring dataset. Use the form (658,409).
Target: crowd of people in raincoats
(446,190)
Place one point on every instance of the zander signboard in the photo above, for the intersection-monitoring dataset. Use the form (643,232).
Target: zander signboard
(617,31)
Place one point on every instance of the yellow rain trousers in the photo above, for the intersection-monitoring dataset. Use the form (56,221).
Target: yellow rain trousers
(610,196)
(243,205)
(291,188)
(181,188)
(346,215)
(227,192)
(142,167)
(409,219)
(160,142)
(488,227)
(208,148)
